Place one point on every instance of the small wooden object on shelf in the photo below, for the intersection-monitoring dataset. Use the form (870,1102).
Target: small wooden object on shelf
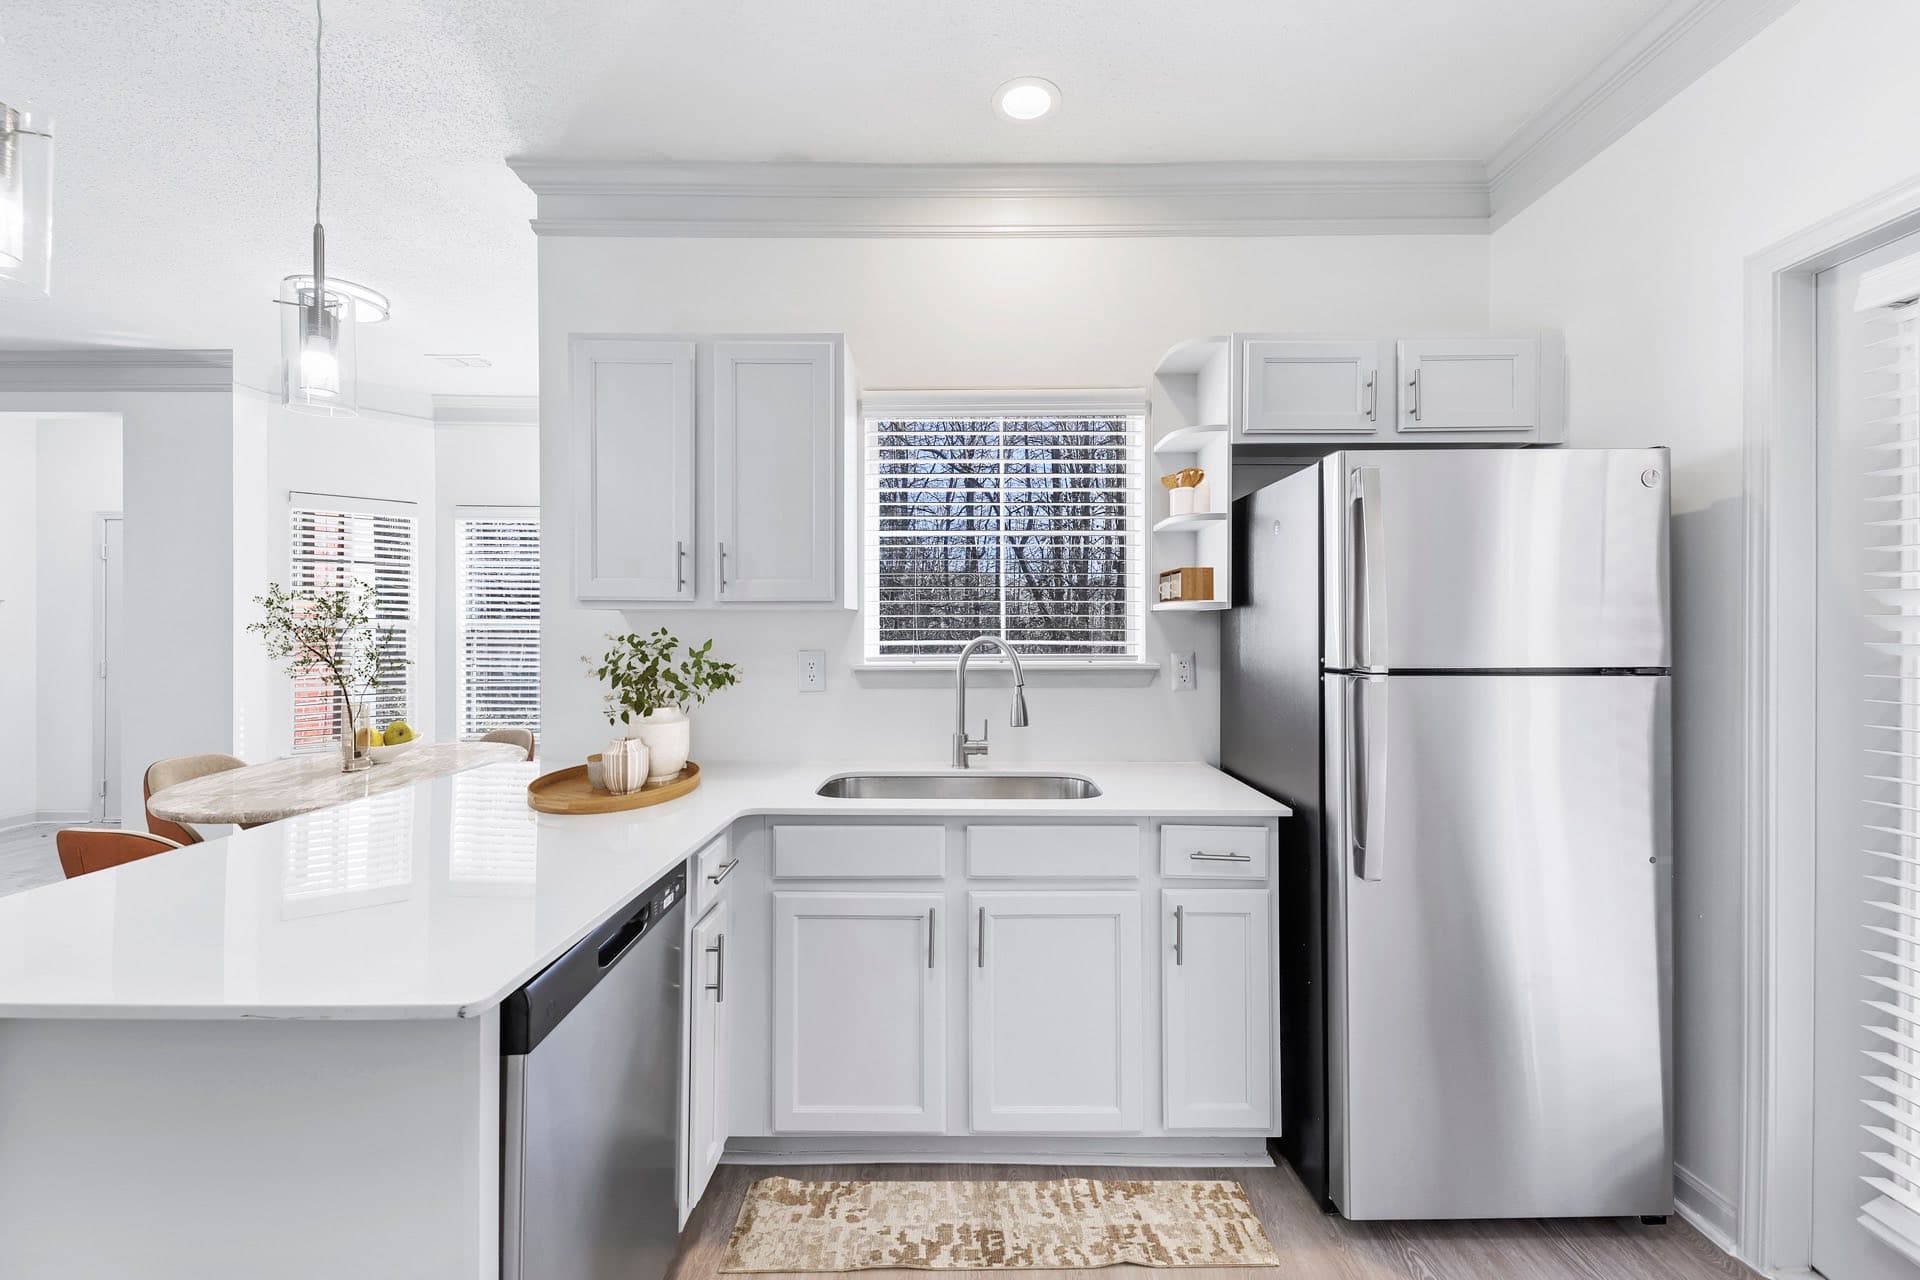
(1189,583)
(568,791)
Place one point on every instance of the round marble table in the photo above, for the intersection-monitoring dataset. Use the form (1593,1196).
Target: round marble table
(300,784)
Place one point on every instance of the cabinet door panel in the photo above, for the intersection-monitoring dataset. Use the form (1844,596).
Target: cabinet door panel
(1469,384)
(707,1127)
(1300,387)
(1217,1013)
(859,1037)
(775,496)
(633,453)
(1055,1032)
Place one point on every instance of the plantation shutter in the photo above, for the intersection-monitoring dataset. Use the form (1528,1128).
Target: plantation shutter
(1892,775)
(497,619)
(338,542)
(1013,514)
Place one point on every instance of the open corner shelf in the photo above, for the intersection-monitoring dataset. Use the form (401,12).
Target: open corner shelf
(1189,439)
(1174,524)
(1189,606)
(1190,356)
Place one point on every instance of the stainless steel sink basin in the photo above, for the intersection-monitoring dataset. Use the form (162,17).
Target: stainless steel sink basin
(958,786)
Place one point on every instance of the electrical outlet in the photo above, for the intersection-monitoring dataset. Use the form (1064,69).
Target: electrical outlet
(1183,672)
(813,670)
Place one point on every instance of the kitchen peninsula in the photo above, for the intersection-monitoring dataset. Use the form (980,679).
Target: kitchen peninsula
(279,1052)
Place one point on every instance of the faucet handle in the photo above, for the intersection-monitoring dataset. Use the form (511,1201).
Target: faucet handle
(986,729)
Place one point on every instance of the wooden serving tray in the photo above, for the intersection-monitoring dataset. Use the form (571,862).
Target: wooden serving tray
(568,791)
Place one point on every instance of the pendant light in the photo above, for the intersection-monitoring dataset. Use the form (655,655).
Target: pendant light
(317,319)
(26,201)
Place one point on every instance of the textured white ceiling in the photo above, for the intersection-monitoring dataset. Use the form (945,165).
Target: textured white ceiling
(184,160)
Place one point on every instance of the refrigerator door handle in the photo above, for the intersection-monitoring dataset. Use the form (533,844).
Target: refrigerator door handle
(1369,642)
(1367,813)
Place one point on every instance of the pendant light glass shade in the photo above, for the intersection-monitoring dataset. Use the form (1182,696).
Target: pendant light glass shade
(316,344)
(26,202)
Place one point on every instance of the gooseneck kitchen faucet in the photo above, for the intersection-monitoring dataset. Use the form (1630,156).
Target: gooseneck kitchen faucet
(965,748)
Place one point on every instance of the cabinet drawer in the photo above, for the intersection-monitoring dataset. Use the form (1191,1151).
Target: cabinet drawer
(1061,853)
(859,853)
(1216,853)
(708,872)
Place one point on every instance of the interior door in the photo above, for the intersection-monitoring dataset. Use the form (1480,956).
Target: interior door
(1500,965)
(109,638)
(1867,780)
(1492,559)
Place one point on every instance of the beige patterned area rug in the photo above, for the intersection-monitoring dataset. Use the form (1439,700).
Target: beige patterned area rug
(1064,1223)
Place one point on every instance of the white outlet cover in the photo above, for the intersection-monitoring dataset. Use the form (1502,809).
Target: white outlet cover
(812,670)
(1183,672)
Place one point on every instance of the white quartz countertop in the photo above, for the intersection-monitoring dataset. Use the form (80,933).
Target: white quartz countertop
(440,899)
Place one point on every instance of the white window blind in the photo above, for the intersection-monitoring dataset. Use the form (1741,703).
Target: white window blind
(1892,774)
(495,838)
(338,542)
(1010,514)
(497,619)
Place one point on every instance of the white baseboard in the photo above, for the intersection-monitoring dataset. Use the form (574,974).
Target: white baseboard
(1705,1210)
(44,817)
(1159,1153)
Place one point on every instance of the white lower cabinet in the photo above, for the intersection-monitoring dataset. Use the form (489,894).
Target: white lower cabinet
(1055,1035)
(860,1025)
(1217,1006)
(707,1058)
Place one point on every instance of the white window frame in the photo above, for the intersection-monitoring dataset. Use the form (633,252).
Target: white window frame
(893,405)
(458,627)
(298,500)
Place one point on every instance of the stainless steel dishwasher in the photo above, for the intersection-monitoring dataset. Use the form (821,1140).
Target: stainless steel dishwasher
(590,1083)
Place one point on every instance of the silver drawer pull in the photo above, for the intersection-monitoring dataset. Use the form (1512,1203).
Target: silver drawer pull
(982,961)
(930,936)
(726,869)
(1179,935)
(1203,856)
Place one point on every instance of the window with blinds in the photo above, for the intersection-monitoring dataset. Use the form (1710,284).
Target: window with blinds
(339,542)
(1892,774)
(1015,515)
(496,619)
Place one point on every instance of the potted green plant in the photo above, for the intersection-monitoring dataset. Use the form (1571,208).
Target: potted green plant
(331,634)
(652,683)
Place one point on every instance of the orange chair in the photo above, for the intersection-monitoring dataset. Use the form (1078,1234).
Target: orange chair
(164,773)
(518,737)
(87,849)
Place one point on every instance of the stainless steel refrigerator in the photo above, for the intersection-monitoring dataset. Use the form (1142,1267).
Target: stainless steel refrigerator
(1454,665)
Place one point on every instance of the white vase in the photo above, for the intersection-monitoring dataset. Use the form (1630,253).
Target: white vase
(623,766)
(668,735)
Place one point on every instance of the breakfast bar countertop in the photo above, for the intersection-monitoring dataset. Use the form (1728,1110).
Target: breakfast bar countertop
(301,784)
(440,899)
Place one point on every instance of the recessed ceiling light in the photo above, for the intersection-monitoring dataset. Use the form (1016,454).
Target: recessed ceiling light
(1027,98)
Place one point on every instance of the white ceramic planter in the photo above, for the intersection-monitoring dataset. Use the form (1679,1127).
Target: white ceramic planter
(669,736)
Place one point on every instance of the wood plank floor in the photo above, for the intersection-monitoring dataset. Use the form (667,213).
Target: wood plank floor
(1313,1245)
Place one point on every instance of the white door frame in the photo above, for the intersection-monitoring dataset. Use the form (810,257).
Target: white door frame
(96,804)
(1776,1196)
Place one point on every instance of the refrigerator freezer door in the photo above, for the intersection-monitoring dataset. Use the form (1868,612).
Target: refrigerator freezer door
(1496,559)
(1500,1025)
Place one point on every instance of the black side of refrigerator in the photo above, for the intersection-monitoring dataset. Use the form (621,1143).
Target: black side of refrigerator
(1270,738)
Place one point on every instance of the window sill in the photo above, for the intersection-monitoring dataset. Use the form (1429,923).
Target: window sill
(1041,673)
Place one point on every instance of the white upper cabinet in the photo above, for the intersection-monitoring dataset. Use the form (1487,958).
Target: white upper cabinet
(859,1013)
(1055,1039)
(776,437)
(1298,387)
(1217,1012)
(633,469)
(1469,385)
(711,470)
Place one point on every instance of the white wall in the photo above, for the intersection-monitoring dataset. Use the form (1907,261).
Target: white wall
(1638,257)
(19,627)
(959,312)
(491,464)
(78,477)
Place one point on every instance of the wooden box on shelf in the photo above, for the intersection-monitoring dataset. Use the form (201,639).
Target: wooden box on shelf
(1188,583)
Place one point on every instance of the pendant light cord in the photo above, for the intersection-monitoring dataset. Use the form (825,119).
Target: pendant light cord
(319,29)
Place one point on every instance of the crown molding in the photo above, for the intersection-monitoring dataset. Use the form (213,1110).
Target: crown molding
(116,369)
(486,411)
(1678,45)
(674,198)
